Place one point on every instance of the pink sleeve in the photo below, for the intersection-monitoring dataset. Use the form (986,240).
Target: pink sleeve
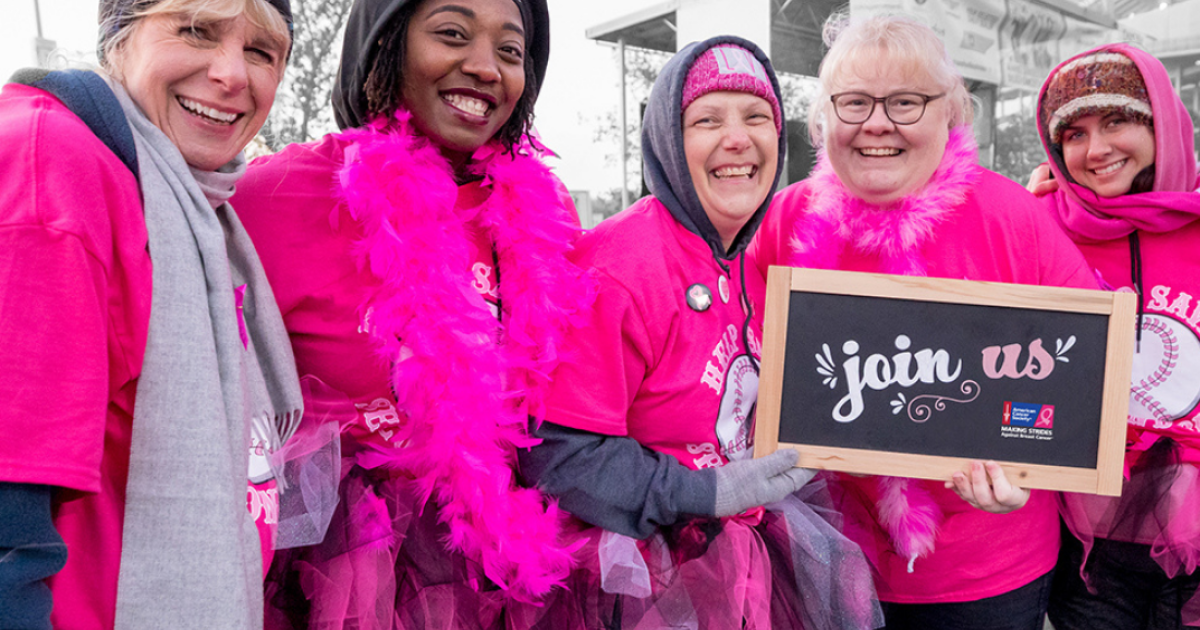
(605,362)
(54,379)
(770,244)
(54,367)
(568,203)
(1062,264)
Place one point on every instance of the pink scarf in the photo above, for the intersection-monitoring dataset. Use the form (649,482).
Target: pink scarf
(836,222)
(467,394)
(1173,203)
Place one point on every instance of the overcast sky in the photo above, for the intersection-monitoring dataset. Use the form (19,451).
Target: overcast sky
(581,83)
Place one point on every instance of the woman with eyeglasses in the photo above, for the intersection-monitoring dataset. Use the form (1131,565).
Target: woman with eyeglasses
(897,189)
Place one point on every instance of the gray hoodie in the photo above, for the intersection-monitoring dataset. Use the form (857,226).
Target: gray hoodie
(663,159)
(615,482)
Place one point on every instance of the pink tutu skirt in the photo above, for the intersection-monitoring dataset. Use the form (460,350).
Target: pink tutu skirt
(1159,506)
(785,566)
(383,565)
(367,550)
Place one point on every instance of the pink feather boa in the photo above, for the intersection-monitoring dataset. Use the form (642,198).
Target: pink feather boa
(467,394)
(838,220)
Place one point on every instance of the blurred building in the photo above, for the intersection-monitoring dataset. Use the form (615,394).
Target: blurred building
(1176,42)
(583,205)
(1004,48)
(47,33)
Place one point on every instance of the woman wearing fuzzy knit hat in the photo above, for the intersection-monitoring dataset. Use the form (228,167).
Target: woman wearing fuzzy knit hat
(648,435)
(898,189)
(1124,183)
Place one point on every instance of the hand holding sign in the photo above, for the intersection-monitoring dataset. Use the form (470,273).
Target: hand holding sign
(987,488)
(922,377)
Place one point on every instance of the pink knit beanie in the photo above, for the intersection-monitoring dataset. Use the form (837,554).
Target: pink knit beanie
(730,68)
(1099,83)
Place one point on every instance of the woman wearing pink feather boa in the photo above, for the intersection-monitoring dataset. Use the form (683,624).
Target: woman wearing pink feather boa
(1124,188)
(898,189)
(419,258)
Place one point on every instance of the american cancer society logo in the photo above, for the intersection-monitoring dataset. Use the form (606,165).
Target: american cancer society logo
(1028,421)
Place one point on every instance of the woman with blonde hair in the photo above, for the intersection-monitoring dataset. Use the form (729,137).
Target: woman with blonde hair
(145,359)
(898,189)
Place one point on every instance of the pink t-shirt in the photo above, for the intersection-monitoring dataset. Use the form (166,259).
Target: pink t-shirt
(663,358)
(997,234)
(74,311)
(1165,398)
(305,238)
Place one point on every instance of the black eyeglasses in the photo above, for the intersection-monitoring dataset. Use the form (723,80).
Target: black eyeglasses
(902,108)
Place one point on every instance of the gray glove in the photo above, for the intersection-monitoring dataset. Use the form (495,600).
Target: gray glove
(749,483)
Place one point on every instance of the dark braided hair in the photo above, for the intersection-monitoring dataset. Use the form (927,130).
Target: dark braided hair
(385,81)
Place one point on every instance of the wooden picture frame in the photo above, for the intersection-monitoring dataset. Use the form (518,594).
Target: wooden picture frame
(1110,317)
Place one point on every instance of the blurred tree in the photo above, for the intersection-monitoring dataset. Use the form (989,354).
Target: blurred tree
(641,69)
(302,111)
(1018,147)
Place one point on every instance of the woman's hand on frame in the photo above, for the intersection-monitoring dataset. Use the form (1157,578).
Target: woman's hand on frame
(987,488)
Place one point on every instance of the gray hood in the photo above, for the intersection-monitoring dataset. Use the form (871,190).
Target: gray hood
(665,163)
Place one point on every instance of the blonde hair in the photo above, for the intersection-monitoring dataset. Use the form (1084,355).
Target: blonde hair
(855,46)
(260,13)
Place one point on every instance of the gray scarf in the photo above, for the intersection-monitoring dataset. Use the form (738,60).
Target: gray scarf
(190,556)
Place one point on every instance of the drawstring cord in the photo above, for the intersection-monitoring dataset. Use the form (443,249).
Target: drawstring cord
(1135,271)
(749,309)
(744,298)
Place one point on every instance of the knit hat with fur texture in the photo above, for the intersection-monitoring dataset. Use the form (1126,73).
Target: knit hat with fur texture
(1099,83)
(730,68)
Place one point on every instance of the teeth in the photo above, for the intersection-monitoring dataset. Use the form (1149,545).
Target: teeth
(473,106)
(1111,168)
(207,112)
(881,152)
(734,171)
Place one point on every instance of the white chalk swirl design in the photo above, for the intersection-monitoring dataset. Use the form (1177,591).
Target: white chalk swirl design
(922,412)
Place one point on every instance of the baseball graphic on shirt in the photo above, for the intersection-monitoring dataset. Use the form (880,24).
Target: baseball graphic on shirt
(736,418)
(1166,371)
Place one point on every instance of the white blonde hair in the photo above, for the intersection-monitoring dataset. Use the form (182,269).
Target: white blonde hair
(260,13)
(905,44)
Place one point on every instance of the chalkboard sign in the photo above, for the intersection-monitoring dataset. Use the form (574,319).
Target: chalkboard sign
(914,377)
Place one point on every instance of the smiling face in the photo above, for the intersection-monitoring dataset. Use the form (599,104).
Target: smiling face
(879,161)
(208,86)
(463,71)
(732,151)
(1105,152)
